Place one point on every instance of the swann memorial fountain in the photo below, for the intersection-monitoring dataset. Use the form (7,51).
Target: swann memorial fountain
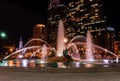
(38,53)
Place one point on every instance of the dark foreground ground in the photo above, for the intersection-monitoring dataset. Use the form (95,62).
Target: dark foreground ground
(25,74)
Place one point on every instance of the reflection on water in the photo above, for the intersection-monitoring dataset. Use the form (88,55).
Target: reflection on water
(18,63)
(10,63)
(88,65)
(25,63)
(39,63)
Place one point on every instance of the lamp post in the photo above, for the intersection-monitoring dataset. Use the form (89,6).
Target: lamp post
(3,35)
(65,41)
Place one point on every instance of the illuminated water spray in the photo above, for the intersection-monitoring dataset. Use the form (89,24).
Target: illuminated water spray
(89,53)
(44,52)
(60,39)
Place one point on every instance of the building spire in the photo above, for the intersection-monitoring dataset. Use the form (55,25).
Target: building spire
(20,43)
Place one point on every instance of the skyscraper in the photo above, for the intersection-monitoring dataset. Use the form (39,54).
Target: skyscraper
(20,43)
(39,31)
(56,11)
(83,15)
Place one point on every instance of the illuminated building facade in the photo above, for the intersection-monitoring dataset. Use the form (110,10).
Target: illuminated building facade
(110,38)
(83,15)
(117,42)
(117,47)
(39,31)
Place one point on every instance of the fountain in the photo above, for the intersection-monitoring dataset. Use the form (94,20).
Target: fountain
(89,53)
(60,42)
(80,50)
(44,53)
(60,39)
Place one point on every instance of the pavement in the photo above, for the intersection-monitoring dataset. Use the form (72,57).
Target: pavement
(15,75)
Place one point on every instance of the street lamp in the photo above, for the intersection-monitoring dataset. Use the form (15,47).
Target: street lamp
(65,40)
(3,35)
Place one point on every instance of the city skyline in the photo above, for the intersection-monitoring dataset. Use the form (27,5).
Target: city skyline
(19,18)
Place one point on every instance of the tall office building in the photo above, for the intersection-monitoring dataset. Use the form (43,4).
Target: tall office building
(56,11)
(83,15)
(110,38)
(39,31)
(117,42)
(39,35)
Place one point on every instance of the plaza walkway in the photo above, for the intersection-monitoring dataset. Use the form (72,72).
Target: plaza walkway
(14,75)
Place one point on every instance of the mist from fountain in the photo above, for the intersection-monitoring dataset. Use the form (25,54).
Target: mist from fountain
(74,54)
(44,53)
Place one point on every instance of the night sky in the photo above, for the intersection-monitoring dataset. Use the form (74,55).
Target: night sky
(112,10)
(17,18)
